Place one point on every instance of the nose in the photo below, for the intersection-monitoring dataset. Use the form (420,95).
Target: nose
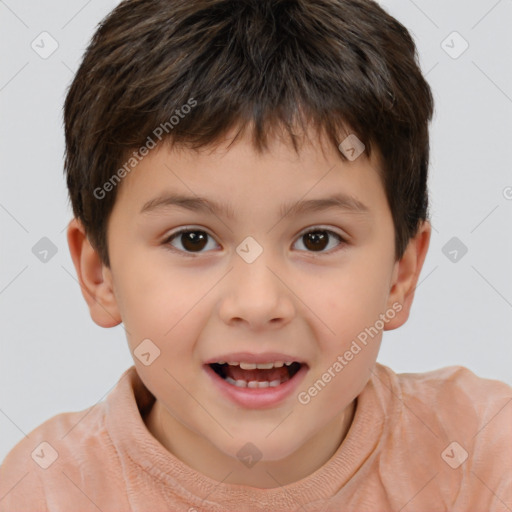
(257,295)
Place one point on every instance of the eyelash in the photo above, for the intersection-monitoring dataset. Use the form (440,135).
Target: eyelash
(315,229)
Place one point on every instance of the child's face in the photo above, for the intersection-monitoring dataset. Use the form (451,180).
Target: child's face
(305,298)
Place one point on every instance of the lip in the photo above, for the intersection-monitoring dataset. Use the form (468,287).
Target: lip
(257,398)
(246,357)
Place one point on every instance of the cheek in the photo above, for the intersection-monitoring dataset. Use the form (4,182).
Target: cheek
(353,294)
(348,302)
(154,301)
(164,305)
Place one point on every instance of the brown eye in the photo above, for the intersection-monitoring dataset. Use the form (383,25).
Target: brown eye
(318,239)
(191,240)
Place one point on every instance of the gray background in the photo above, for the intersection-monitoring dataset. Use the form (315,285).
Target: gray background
(55,359)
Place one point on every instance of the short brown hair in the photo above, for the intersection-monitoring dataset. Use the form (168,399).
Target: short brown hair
(263,63)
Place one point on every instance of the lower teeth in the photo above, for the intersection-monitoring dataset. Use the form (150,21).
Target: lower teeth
(253,383)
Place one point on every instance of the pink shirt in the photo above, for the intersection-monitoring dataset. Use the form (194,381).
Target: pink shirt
(437,441)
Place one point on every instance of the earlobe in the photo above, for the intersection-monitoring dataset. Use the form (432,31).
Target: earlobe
(406,274)
(94,277)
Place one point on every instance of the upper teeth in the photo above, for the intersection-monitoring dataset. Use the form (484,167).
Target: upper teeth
(261,366)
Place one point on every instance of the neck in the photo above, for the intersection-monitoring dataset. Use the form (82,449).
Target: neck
(202,456)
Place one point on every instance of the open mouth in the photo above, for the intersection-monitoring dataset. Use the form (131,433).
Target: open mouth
(256,376)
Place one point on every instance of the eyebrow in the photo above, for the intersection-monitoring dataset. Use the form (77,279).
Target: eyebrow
(199,204)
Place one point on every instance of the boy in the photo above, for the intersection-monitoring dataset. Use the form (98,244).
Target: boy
(249,186)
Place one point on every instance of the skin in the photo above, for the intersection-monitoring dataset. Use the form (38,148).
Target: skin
(292,299)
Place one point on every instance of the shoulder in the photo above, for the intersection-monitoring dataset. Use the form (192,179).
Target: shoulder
(444,385)
(455,388)
(459,425)
(455,396)
(51,455)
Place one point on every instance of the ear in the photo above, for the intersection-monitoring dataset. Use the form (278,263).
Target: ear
(405,276)
(94,277)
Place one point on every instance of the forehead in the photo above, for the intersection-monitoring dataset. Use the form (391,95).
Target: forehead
(232,172)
